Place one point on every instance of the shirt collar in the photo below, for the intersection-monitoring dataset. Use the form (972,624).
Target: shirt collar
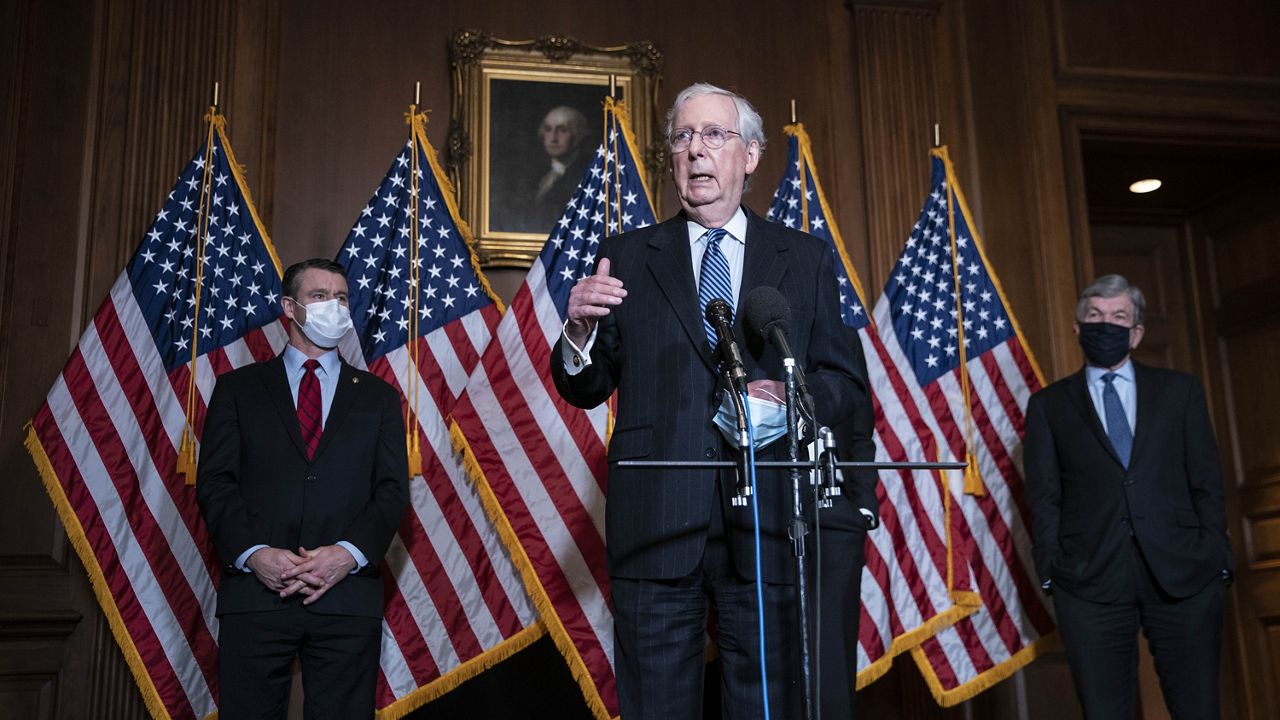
(736,227)
(558,167)
(294,358)
(1094,374)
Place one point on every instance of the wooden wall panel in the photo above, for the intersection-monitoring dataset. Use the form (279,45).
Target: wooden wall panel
(1012,169)
(897,64)
(1233,249)
(1170,40)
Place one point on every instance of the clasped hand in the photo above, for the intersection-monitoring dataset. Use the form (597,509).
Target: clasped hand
(308,572)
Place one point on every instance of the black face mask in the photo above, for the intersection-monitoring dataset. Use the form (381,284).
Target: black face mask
(1104,344)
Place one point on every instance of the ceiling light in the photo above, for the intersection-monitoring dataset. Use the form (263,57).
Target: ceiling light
(1145,186)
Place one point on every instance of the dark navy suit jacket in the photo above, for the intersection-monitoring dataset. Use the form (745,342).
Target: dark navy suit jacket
(255,484)
(1085,504)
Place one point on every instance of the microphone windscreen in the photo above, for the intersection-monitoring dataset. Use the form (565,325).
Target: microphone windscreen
(717,309)
(765,307)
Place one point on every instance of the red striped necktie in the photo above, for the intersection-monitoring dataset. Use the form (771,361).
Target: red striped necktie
(310,417)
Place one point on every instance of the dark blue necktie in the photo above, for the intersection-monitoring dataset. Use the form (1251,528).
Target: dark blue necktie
(1117,422)
(713,280)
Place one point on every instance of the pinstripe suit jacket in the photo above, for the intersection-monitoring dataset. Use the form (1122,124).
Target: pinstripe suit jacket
(652,349)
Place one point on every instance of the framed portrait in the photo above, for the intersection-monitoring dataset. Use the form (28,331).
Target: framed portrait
(527,118)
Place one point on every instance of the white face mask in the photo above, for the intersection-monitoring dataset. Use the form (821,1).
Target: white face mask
(327,322)
(768,420)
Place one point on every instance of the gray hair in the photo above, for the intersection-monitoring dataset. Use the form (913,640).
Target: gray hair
(1109,286)
(749,122)
(577,122)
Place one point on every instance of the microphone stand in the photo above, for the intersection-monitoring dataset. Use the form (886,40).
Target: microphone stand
(743,488)
(799,528)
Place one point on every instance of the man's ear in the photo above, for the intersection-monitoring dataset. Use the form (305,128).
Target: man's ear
(1136,333)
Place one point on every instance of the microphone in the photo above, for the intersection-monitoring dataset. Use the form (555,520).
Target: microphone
(767,312)
(719,314)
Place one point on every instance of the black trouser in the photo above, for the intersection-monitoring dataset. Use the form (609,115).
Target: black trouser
(1183,634)
(339,655)
(660,641)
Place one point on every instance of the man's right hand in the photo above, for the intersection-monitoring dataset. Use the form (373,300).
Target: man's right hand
(590,300)
(270,564)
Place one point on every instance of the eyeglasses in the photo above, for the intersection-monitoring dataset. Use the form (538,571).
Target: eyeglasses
(713,136)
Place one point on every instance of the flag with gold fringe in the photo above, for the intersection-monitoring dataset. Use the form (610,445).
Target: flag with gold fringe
(539,461)
(115,440)
(949,331)
(424,313)
(909,590)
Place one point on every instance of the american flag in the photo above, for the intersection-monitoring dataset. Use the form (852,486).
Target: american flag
(542,459)
(423,313)
(906,595)
(947,329)
(201,296)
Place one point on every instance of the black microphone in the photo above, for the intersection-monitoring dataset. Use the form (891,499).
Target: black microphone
(719,314)
(767,312)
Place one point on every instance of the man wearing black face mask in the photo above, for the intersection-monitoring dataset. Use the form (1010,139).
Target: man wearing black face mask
(1129,525)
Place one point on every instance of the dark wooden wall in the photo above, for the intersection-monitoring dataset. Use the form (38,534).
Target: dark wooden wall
(101,103)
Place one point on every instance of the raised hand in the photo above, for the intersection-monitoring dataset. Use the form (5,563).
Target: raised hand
(590,300)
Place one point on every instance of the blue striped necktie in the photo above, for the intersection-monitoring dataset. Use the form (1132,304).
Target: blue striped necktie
(1117,421)
(713,280)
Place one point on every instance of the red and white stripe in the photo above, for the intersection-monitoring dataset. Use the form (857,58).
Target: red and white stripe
(906,595)
(110,427)
(991,544)
(453,593)
(544,461)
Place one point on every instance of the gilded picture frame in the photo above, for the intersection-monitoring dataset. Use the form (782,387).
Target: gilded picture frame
(527,116)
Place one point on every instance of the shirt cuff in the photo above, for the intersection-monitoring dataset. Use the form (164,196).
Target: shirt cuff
(873,522)
(240,563)
(575,358)
(361,560)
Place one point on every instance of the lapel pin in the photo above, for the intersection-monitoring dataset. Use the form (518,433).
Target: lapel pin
(355,380)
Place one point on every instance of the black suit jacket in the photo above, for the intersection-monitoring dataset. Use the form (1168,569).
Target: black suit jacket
(1084,502)
(256,486)
(652,349)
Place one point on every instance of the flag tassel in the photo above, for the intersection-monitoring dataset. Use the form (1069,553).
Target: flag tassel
(186,460)
(973,484)
(415,453)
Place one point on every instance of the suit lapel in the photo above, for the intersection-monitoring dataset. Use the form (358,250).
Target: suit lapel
(277,382)
(672,268)
(1088,413)
(343,397)
(1144,420)
(765,262)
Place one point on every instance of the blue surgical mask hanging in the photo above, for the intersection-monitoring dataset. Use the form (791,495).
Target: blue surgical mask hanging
(768,418)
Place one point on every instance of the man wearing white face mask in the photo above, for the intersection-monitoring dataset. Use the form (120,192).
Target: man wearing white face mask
(302,481)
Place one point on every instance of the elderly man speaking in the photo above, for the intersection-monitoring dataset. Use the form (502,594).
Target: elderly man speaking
(678,546)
